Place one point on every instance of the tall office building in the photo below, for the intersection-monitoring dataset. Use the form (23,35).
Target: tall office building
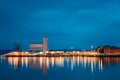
(45,43)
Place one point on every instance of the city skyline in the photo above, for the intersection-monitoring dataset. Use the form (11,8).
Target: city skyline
(78,24)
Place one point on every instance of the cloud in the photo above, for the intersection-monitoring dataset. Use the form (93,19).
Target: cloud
(87,21)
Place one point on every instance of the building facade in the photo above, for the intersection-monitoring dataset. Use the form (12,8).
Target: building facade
(109,50)
(40,46)
(45,43)
(36,46)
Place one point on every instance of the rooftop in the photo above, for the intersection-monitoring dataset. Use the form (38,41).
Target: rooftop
(36,43)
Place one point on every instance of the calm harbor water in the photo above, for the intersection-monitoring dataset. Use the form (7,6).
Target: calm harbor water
(59,68)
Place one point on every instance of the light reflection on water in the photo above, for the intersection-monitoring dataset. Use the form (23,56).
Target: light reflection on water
(45,62)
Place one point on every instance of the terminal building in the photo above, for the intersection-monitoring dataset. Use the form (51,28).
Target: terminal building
(108,50)
(39,46)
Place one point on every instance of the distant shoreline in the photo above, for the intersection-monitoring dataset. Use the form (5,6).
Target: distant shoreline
(59,54)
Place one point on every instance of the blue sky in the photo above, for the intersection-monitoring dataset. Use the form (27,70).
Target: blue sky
(77,23)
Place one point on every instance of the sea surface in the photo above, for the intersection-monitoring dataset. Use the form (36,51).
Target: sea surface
(59,68)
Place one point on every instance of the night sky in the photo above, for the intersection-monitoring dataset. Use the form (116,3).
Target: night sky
(67,23)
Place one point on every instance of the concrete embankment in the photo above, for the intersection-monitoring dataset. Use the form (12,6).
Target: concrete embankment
(68,54)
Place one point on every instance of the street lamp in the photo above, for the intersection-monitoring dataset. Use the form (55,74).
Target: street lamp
(92,47)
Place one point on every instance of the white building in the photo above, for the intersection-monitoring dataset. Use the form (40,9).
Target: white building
(43,46)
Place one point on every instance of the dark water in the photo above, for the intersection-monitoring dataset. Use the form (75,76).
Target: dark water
(59,68)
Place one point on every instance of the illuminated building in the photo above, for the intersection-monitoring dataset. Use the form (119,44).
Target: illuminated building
(109,50)
(45,43)
(39,46)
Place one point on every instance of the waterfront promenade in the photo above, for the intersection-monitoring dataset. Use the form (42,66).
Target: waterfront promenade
(59,54)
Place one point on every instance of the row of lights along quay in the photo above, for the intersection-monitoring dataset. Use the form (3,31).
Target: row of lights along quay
(41,49)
